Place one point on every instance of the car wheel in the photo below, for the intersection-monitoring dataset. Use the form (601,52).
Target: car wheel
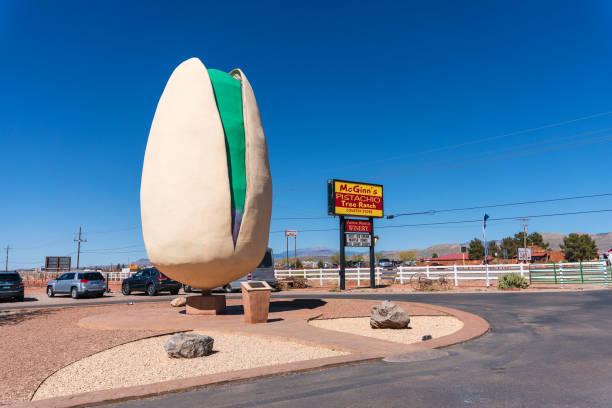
(100,294)
(125,289)
(50,292)
(174,292)
(228,288)
(151,291)
(187,289)
(20,298)
(74,293)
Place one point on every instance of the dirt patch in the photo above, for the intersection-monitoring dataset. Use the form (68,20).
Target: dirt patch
(107,370)
(436,326)
(34,345)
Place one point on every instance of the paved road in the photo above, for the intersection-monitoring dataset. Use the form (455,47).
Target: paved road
(544,350)
(41,300)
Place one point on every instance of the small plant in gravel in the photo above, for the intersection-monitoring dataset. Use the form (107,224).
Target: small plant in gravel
(511,281)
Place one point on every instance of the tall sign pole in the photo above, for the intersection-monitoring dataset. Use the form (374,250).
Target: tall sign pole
(291,233)
(372,256)
(342,255)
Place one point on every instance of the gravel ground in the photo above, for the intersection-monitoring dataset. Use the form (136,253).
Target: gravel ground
(108,369)
(437,326)
(36,343)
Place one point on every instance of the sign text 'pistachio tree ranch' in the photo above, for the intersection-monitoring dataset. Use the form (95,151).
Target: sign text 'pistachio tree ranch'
(357,199)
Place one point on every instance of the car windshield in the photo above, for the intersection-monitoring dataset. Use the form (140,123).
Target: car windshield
(266,262)
(384,260)
(10,277)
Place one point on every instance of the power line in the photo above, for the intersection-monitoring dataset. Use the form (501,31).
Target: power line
(499,205)
(464,221)
(482,140)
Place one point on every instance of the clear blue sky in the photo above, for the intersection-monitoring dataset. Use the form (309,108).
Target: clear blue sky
(357,91)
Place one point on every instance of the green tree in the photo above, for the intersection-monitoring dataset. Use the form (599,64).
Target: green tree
(579,247)
(536,239)
(406,256)
(320,264)
(298,263)
(509,244)
(357,257)
(335,258)
(493,249)
(379,255)
(476,249)
(434,255)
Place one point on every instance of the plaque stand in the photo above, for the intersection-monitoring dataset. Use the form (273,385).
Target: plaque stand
(205,304)
(256,301)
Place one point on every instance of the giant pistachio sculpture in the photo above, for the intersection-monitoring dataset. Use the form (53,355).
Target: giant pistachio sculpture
(206,191)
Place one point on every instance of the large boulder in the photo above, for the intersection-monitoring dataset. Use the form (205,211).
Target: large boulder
(188,345)
(388,315)
(179,301)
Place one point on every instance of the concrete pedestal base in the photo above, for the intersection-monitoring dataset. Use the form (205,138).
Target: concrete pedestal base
(256,305)
(205,304)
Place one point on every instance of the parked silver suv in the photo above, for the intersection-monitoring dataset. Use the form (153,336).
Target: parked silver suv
(78,284)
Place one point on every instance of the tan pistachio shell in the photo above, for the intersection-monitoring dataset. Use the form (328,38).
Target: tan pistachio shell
(185,193)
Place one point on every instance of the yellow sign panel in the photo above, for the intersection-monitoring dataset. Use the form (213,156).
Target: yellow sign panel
(357,199)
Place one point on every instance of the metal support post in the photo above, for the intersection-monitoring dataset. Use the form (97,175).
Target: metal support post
(342,271)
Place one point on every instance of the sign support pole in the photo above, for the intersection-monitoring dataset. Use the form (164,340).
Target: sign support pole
(372,256)
(287,253)
(342,271)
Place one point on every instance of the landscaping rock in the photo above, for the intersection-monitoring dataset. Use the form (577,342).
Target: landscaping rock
(179,301)
(388,315)
(189,345)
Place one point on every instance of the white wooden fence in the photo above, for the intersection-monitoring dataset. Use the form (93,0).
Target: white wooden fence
(403,274)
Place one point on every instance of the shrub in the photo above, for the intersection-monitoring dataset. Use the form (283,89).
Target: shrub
(512,280)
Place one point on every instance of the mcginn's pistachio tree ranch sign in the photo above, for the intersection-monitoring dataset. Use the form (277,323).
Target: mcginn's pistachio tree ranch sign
(355,199)
(206,190)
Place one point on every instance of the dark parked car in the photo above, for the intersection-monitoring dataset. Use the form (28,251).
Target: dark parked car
(151,281)
(11,286)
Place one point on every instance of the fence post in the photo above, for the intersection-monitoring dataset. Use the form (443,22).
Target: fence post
(427,271)
(521,270)
(320,277)
(378,276)
(358,276)
(455,273)
(581,275)
(561,273)
(606,272)
(401,271)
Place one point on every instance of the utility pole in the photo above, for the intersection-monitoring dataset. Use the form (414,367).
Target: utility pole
(8,247)
(524,220)
(79,240)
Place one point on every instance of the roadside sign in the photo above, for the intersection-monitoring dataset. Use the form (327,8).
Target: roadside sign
(354,198)
(57,263)
(358,240)
(524,254)
(290,233)
(358,226)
